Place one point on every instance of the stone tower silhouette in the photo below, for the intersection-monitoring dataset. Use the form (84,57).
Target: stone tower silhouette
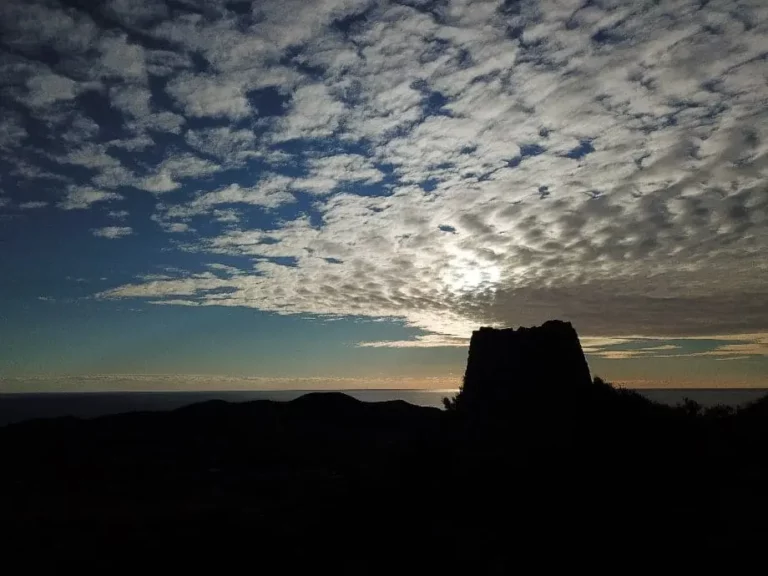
(544,360)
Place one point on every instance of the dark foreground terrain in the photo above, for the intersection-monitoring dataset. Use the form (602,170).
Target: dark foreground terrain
(531,462)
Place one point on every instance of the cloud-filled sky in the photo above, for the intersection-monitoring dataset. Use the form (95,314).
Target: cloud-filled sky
(346,188)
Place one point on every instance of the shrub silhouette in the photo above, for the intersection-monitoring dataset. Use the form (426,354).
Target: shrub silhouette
(690,407)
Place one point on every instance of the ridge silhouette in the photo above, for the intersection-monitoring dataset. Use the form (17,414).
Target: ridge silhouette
(534,460)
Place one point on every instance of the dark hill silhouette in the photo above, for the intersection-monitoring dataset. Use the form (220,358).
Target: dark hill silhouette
(534,460)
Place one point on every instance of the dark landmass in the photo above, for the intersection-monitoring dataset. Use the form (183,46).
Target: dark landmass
(533,461)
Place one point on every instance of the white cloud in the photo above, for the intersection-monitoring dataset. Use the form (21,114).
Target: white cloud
(34,205)
(221,42)
(12,131)
(113,176)
(201,95)
(121,58)
(223,142)
(229,270)
(113,232)
(92,156)
(82,197)
(270,192)
(166,62)
(744,345)
(158,183)
(135,102)
(30,25)
(131,99)
(328,173)
(172,169)
(187,165)
(721,347)
(81,129)
(428,341)
(48,88)
(25,170)
(469,164)
(133,144)
(226,216)
(314,113)
(163,122)
(178,227)
(169,226)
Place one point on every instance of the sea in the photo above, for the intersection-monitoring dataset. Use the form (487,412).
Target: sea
(21,407)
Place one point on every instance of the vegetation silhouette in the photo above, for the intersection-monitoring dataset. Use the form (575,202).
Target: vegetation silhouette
(533,460)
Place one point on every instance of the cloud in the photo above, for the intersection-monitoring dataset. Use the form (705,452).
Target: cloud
(158,183)
(170,226)
(174,168)
(327,173)
(270,192)
(314,113)
(81,129)
(223,142)
(746,345)
(178,227)
(621,355)
(93,156)
(444,164)
(629,347)
(33,205)
(82,197)
(133,144)
(428,341)
(28,25)
(12,131)
(113,232)
(227,215)
(121,58)
(202,95)
(134,101)
(719,347)
(230,270)
(48,88)
(166,62)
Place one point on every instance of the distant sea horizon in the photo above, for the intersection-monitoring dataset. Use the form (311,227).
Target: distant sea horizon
(21,406)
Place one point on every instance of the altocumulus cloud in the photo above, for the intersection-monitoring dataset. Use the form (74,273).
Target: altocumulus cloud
(112,232)
(444,163)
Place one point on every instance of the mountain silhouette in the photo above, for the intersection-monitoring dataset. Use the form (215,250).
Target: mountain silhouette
(533,461)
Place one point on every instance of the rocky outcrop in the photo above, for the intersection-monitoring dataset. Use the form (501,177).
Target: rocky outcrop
(541,360)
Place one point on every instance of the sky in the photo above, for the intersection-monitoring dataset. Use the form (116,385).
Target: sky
(335,193)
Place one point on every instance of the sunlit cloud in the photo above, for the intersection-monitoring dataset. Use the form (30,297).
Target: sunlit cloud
(448,165)
(80,198)
(113,232)
(428,341)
